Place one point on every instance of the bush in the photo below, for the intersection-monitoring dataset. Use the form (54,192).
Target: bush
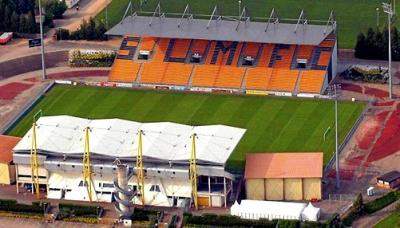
(225,220)
(143,215)
(89,58)
(382,202)
(13,206)
(360,73)
(70,210)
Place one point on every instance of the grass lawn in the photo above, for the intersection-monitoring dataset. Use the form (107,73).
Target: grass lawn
(273,124)
(352,16)
(392,221)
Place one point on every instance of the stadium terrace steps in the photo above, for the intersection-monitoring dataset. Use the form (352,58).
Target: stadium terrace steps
(147,43)
(265,55)
(160,50)
(230,77)
(284,56)
(251,49)
(180,48)
(201,47)
(153,72)
(128,48)
(311,81)
(303,52)
(236,55)
(257,78)
(177,74)
(324,58)
(283,80)
(205,75)
(124,71)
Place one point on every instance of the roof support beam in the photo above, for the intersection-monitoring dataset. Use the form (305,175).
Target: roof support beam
(157,13)
(243,16)
(331,22)
(214,14)
(187,12)
(273,17)
(301,20)
(129,7)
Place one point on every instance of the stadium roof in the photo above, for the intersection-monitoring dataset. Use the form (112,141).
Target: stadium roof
(116,138)
(284,165)
(224,30)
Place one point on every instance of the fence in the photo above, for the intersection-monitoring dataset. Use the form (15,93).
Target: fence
(25,109)
(347,138)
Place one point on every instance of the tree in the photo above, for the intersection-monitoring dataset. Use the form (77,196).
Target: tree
(23,24)
(14,22)
(360,46)
(31,23)
(358,204)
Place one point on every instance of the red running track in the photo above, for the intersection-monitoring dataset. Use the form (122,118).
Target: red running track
(369,135)
(11,90)
(389,142)
(376,92)
(351,87)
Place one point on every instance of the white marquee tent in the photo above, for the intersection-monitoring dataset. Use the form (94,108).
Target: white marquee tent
(257,209)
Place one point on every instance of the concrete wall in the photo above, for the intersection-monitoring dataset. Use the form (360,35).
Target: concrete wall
(31,63)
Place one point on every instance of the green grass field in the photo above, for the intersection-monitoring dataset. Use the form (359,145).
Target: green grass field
(273,124)
(392,221)
(352,16)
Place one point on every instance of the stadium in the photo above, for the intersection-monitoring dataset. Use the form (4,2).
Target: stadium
(189,142)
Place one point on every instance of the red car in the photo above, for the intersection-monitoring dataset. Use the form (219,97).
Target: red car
(5,37)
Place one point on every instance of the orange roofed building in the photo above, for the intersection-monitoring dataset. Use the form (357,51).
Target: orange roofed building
(7,167)
(284,176)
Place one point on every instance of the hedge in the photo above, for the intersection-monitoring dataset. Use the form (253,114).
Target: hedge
(13,206)
(143,215)
(226,220)
(69,210)
(89,58)
(381,202)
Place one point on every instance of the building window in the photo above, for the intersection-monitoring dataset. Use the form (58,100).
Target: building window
(155,188)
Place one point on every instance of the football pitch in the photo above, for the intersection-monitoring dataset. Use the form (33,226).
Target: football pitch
(273,124)
(353,16)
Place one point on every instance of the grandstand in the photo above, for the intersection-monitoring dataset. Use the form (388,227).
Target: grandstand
(236,55)
(166,149)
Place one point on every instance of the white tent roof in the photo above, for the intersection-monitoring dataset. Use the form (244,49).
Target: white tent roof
(311,213)
(118,138)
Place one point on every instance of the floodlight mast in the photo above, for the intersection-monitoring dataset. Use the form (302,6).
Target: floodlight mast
(193,171)
(387,8)
(34,163)
(139,167)
(87,172)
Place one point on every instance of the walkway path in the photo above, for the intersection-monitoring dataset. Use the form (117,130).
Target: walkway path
(371,220)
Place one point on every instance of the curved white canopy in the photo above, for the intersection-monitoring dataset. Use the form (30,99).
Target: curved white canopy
(118,138)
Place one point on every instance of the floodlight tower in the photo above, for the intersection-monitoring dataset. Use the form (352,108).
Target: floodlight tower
(87,172)
(34,163)
(193,171)
(387,8)
(139,167)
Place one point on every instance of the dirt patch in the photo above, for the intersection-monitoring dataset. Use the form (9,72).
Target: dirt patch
(11,90)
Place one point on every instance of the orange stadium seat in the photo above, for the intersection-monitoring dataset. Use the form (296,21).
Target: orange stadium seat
(237,54)
(124,71)
(199,46)
(283,80)
(286,57)
(257,78)
(304,51)
(153,72)
(147,43)
(177,74)
(311,81)
(205,75)
(160,50)
(210,52)
(230,77)
(265,55)
(251,49)
(132,43)
(324,58)
(181,48)
(327,43)
(123,52)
